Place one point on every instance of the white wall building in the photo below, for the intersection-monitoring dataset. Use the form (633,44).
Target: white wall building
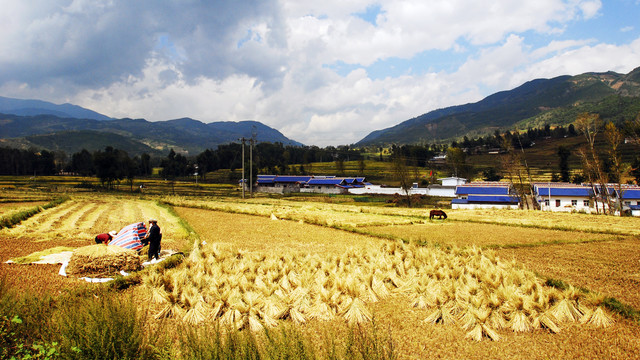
(564,197)
(485,195)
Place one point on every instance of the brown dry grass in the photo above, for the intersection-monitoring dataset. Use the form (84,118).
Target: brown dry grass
(551,220)
(611,268)
(83,217)
(483,235)
(414,338)
(75,224)
(8,208)
(417,340)
(256,233)
(35,278)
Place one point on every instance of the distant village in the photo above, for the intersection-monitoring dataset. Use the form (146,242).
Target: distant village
(549,196)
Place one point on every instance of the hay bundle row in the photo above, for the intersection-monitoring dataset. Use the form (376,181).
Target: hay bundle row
(470,288)
(102,261)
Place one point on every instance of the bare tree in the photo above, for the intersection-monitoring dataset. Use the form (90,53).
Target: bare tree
(511,164)
(590,125)
(403,175)
(614,139)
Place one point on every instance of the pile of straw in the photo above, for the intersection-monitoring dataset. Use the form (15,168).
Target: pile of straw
(468,287)
(102,261)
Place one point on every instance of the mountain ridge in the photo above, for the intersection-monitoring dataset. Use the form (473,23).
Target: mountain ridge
(505,109)
(31,107)
(185,135)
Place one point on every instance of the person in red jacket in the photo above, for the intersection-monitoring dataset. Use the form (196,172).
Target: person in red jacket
(105,238)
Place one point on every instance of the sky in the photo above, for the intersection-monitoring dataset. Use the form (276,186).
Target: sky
(321,72)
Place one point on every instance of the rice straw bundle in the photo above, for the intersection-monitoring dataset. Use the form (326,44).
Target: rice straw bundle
(600,318)
(547,321)
(357,312)
(519,322)
(102,261)
(564,310)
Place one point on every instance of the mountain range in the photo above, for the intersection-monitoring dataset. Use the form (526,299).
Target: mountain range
(70,128)
(555,101)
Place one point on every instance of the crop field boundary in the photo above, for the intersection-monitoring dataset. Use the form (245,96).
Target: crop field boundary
(551,242)
(191,233)
(611,303)
(16,218)
(421,219)
(554,227)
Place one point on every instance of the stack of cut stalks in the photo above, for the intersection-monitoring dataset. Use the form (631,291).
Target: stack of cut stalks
(468,287)
(102,261)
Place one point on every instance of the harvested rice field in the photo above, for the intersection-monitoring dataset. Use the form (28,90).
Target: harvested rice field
(261,262)
(611,267)
(561,221)
(74,224)
(9,208)
(312,212)
(399,314)
(261,234)
(81,218)
(444,233)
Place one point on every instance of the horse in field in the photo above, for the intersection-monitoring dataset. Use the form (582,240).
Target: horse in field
(439,213)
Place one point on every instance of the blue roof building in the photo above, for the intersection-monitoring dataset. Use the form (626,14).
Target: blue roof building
(483,195)
(307,183)
(565,197)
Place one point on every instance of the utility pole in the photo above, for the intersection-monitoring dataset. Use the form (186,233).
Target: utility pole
(243,179)
(251,167)
(252,141)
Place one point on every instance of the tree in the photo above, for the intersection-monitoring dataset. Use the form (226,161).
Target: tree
(82,163)
(614,139)
(635,170)
(340,165)
(111,165)
(490,174)
(361,166)
(403,175)
(173,166)
(589,125)
(456,160)
(145,165)
(564,153)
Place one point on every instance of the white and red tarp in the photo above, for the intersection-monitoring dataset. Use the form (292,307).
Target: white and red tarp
(130,236)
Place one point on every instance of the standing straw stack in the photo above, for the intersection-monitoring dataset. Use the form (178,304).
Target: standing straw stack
(468,287)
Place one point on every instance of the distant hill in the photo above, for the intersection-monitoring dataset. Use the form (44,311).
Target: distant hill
(551,101)
(39,107)
(132,135)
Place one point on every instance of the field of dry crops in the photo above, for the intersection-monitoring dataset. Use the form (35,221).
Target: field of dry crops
(543,219)
(253,269)
(610,267)
(483,235)
(415,337)
(9,208)
(74,224)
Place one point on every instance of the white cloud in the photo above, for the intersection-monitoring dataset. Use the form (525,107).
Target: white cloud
(267,60)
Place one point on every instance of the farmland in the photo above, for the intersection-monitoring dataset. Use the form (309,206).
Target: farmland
(430,287)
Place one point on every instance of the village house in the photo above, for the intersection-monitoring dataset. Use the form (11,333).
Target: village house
(278,184)
(564,197)
(628,195)
(332,185)
(286,184)
(485,195)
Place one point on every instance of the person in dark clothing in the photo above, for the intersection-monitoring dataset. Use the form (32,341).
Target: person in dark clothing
(153,237)
(105,238)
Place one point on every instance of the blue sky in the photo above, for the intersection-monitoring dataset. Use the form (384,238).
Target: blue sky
(323,73)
